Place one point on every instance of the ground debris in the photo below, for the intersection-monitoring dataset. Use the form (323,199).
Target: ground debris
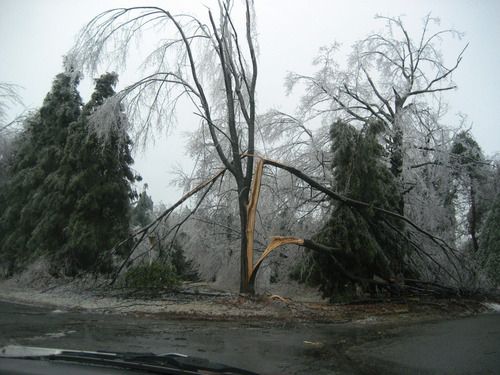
(204,301)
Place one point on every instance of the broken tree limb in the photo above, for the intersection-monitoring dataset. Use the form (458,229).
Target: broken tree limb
(251,212)
(393,287)
(278,241)
(338,197)
(145,230)
(358,204)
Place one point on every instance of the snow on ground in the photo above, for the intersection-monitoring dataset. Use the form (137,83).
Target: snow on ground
(209,302)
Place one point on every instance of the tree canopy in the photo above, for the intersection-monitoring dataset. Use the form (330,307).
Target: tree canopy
(207,62)
(28,225)
(367,244)
(384,192)
(67,194)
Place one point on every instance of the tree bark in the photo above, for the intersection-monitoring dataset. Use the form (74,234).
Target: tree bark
(245,285)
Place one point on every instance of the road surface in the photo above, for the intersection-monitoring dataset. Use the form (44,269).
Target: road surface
(460,346)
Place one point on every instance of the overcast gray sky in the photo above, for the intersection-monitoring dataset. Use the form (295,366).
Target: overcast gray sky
(35,34)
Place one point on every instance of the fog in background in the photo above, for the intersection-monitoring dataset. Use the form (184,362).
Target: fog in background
(34,35)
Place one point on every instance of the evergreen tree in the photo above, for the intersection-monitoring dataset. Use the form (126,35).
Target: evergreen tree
(470,172)
(31,177)
(489,242)
(68,192)
(142,212)
(368,242)
(99,178)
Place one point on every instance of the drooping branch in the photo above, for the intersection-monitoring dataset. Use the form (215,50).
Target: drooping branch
(9,95)
(278,241)
(342,199)
(203,98)
(143,232)
(358,204)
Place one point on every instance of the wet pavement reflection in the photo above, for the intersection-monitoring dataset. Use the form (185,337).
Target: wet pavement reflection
(469,345)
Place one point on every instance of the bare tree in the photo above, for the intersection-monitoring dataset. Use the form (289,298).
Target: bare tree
(209,63)
(9,95)
(287,206)
(391,77)
(215,68)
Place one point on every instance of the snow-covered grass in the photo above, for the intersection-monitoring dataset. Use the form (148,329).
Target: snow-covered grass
(492,306)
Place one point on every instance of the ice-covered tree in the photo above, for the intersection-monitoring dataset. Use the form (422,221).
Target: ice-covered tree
(26,212)
(212,64)
(97,177)
(68,192)
(392,77)
(489,242)
(368,243)
(470,171)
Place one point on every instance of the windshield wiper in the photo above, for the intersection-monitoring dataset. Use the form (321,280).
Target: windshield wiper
(171,363)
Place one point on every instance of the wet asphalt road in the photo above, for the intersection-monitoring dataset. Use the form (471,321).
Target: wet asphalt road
(459,346)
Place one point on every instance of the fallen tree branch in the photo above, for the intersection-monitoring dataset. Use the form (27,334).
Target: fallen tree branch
(362,205)
(145,230)
(334,251)
(278,241)
(394,287)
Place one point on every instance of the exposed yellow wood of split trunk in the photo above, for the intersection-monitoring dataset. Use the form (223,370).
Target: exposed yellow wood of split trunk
(278,241)
(251,212)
